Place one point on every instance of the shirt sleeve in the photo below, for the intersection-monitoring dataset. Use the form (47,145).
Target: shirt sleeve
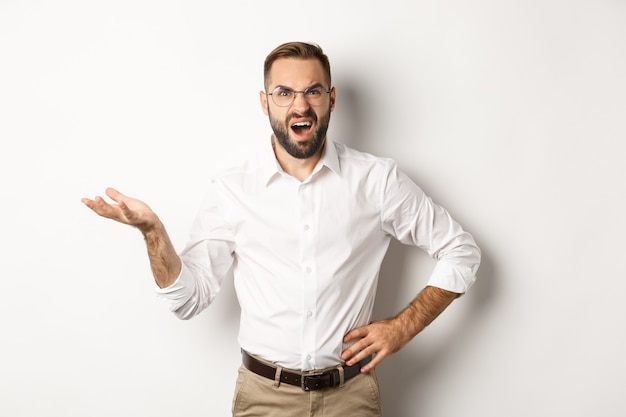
(206,260)
(413,218)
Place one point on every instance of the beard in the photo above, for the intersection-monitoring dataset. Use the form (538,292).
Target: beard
(301,149)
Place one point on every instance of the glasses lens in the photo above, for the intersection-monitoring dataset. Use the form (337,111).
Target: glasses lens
(314,95)
(284,96)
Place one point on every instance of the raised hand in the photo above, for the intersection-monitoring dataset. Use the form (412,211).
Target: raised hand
(127,210)
(164,261)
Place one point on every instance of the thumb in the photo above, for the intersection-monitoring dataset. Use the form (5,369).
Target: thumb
(114,194)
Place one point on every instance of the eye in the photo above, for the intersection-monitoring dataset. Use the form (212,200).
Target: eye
(283,92)
(314,91)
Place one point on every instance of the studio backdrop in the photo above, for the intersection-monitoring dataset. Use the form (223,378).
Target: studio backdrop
(509,114)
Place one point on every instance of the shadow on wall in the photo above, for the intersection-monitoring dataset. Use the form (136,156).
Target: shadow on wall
(404,377)
(348,123)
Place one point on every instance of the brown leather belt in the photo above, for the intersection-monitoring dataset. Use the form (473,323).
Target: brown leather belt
(308,380)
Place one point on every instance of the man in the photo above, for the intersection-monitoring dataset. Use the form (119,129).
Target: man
(305,226)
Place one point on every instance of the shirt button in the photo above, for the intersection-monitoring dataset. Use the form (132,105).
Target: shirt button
(309,313)
(306,227)
(308,270)
(308,357)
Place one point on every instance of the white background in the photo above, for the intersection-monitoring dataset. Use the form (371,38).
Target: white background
(511,114)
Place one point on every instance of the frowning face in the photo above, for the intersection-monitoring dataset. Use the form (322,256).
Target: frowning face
(306,100)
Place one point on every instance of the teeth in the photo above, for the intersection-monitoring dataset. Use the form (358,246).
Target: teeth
(302,124)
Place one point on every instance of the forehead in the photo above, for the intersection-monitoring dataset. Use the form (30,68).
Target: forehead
(296,73)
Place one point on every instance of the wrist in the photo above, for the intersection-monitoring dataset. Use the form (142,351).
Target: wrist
(152,230)
(407,323)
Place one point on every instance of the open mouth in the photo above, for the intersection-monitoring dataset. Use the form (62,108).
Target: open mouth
(301,127)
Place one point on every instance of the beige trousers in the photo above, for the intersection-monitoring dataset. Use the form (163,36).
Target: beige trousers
(257,396)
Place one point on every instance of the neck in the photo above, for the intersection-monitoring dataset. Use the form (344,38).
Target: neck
(296,167)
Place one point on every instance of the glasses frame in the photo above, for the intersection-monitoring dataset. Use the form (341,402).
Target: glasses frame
(295,92)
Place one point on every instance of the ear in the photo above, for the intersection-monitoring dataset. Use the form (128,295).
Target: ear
(332,99)
(263,99)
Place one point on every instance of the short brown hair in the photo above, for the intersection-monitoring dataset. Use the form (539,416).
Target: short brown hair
(301,50)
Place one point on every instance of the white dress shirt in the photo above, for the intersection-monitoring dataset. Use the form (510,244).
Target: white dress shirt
(306,255)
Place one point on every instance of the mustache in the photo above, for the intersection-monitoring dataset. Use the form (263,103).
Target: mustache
(308,114)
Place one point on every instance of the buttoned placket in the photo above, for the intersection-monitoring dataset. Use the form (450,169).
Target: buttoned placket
(308,274)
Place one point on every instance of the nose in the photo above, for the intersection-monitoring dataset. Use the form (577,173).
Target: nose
(300,101)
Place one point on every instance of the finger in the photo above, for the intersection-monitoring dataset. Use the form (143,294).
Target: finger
(88,202)
(114,194)
(358,333)
(104,209)
(124,207)
(121,199)
(348,354)
(131,216)
(366,348)
(355,335)
(359,350)
(378,358)
(96,204)
(122,202)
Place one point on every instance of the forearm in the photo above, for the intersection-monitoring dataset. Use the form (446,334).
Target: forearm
(164,260)
(425,308)
(382,338)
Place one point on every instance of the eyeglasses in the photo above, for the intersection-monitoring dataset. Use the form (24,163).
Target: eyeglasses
(285,96)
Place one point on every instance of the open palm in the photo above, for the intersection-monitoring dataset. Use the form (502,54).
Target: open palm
(128,210)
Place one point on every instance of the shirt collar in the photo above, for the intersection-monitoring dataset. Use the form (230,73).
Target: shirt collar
(271,167)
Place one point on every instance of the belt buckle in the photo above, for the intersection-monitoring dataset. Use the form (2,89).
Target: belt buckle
(315,379)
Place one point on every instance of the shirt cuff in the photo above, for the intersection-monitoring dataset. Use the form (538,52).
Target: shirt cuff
(176,293)
(452,277)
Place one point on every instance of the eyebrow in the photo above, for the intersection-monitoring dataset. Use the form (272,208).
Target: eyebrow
(284,87)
